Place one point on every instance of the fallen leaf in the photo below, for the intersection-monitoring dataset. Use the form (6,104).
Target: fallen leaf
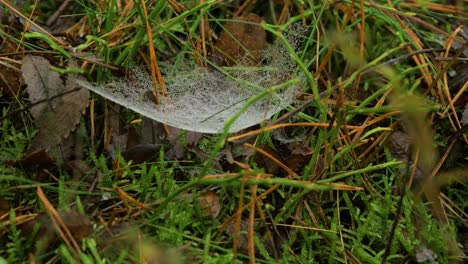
(210,204)
(43,84)
(266,163)
(242,236)
(192,137)
(153,132)
(79,169)
(177,148)
(464,119)
(400,144)
(125,236)
(37,159)
(54,118)
(457,78)
(141,153)
(4,208)
(9,82)
(297,162)
(79,226)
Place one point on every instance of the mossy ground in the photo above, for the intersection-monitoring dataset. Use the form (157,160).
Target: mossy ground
(369,171)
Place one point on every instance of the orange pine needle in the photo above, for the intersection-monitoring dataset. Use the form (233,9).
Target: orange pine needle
(58,223)
(275,160)
(124,197)
(155,72)
(272,127)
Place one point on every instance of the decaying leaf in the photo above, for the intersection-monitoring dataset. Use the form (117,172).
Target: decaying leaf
(242,236)
(192,138)
(400,144)
(141,153)
(119,135)
(9,81)
(266,163)
(4,208)
(125,236)
(240,38)
(210,204)
(43,84)
(78,225)
(152,132)
(39,158)
(464,119)
(58,117)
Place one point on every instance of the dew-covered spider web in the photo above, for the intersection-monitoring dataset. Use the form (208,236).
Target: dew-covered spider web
(203,99)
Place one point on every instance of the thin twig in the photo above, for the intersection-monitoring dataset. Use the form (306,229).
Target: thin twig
(398,212)
(16,111)
(52,19)
(404,57)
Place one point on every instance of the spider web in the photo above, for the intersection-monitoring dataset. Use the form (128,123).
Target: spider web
(201,99)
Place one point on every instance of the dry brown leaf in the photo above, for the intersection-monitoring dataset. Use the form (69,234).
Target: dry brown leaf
(152,132)
(141,153)
(400,144)
(124,236)
(9,81)
(58,117)
(242,236)
(78,225)
(192,138)
(464,120)
(251,37)
(266,163)
(177,148)
(39,158)
(4,208)
(210,204)
(119,135)
(41,81)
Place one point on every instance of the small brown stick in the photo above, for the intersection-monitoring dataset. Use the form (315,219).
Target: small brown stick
(125,196)
(58,223)
(155,72)
(450,59)
(275,160)
(17,13)
(17,111)
(268,128)
(52,19)
(284,117)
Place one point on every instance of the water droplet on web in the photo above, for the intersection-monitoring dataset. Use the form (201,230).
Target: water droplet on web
(202,100)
